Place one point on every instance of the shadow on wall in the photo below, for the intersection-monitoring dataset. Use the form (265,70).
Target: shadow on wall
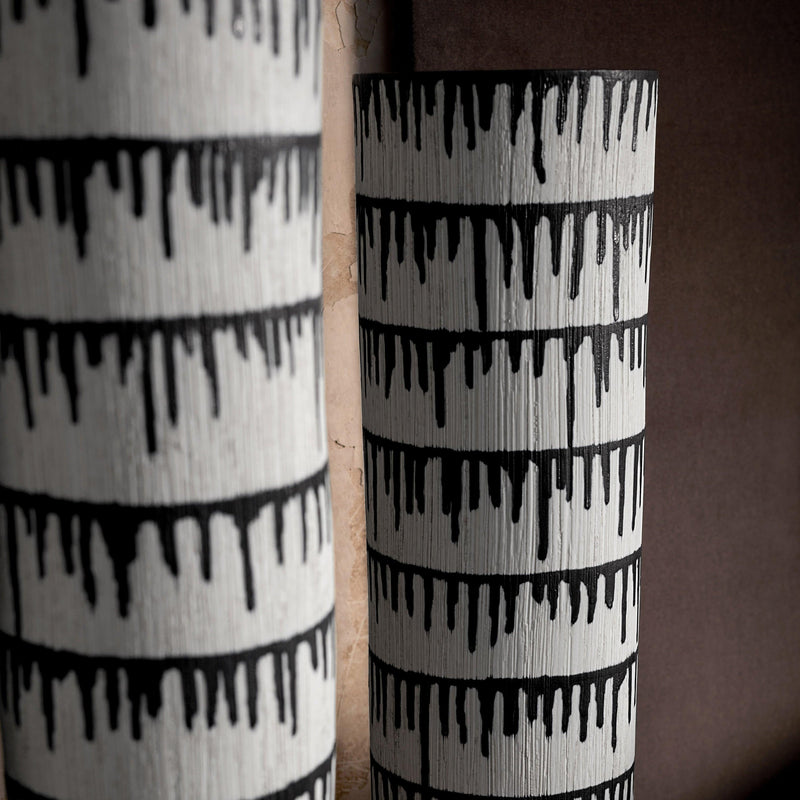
(783,784)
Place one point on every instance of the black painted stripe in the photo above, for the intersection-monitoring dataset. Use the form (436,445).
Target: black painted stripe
(17,791)
(147,326)
(119,525)
(417,716)
(73,160)
(443,210)
(495,77)
(527,683)
(40,653)
(267,24)
(599,791)
(419,90)
(512,221)
(267,326)
(475,338)
(436,451)
(144,677)
(559,576)
(404,467)
(48,147)
(443,344)
(544,585)
(299,788)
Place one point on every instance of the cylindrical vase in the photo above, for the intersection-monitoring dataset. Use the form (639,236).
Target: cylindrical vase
(166,592)
(504,227)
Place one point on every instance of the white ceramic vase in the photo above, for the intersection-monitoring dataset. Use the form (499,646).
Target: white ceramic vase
(166,596)
(504,225)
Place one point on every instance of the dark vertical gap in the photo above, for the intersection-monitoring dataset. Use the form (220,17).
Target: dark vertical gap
(401,36)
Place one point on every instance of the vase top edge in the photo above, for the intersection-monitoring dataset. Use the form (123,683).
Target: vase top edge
(506,75)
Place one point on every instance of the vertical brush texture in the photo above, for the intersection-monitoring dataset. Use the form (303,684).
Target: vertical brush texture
(504,225)
(166,592)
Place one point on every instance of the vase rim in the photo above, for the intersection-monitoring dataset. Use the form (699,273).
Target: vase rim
(508,75)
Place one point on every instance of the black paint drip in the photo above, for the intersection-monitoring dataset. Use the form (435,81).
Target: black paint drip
(210,168)
(431,220)
(384,574)
(273,329)
(386,785)
(296,789)
(144,676)
(404,466)
(302,25)
(300,788)
(405,94)
(119,527)
(419,686)
(441,345)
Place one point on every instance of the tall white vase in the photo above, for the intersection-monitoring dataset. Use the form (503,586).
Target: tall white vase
(504,224)
(166,592)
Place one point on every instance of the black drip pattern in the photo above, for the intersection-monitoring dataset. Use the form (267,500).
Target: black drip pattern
(384,578)
(119,526)
(143,678)
(435,349)
(419,688)
(210,176)
(273,329)
(430,221)
(387,785)
(404,466)
(418,92)
(490,242)
(302,787)
(264,19)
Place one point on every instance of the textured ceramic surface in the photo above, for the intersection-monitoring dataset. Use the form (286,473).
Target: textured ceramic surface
(504,224)
(166,601)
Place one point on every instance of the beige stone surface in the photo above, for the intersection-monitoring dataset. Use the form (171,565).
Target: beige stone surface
(354,41)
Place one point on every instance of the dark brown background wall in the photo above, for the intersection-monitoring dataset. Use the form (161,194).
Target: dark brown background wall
(719,692)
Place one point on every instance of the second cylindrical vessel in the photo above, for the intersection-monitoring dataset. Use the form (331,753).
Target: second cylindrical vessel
(166,550)
(504,225)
